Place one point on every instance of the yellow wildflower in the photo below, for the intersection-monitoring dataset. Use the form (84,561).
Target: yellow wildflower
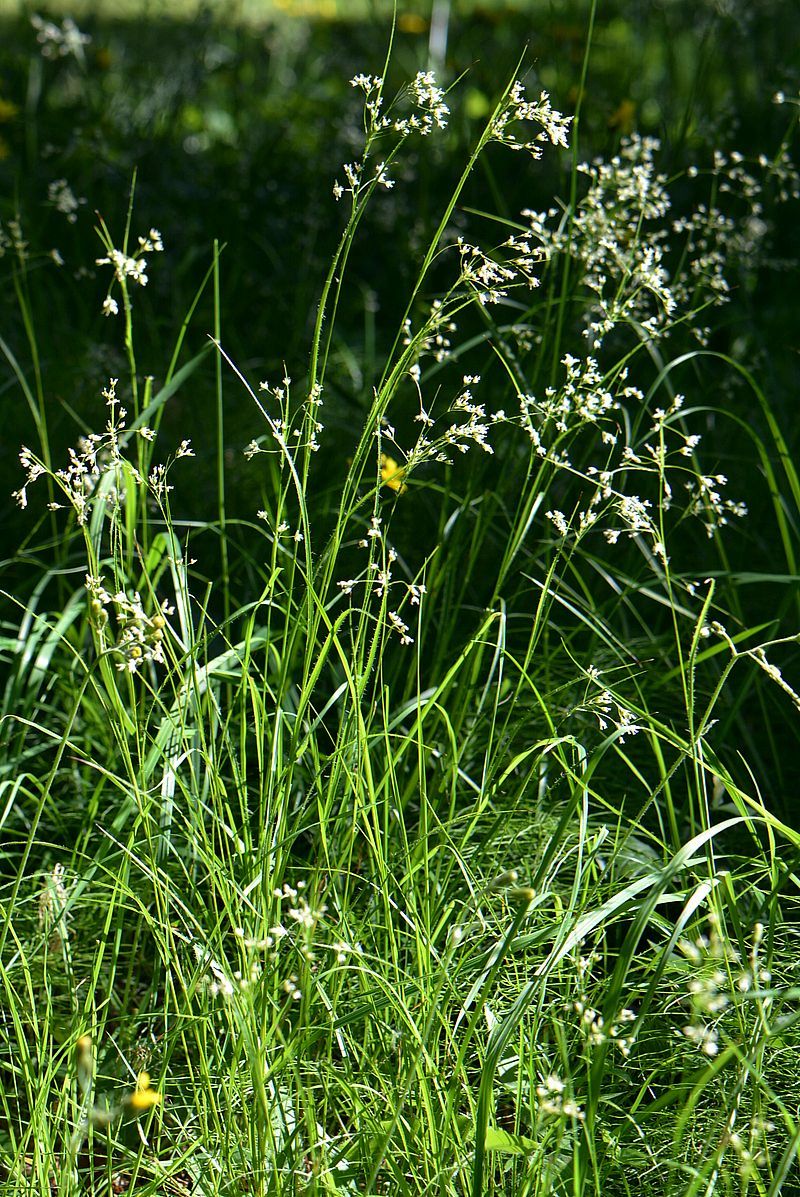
(392,474)
(411,22)
(143,1097)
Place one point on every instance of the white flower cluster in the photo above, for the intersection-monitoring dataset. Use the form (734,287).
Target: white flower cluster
(434,338)
(96,455)
(429,112)
(296,932)
(400,627)
(719,975)
(13,240)
(620,236)
(60,41)
(429,99)
(748,1143)
(426,96)
(377,578)
(583,398)
(782,173)
(586,398)
(554,1102)
(464,424)
(597,1031)
(707,503)
(599,702)
(127,267)
(290,429)
(64,200)
(632,487)
(97,468)
(139,637)
(554,126)
(488,278)
(222,982)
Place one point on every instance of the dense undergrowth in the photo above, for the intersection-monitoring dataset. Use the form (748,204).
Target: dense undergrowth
(398,741)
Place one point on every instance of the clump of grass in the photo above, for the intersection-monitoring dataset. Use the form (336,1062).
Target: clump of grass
(386,841)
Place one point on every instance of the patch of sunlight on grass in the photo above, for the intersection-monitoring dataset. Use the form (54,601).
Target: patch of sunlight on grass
(234,11)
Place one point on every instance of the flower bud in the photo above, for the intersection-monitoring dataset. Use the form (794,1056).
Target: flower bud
(509,877)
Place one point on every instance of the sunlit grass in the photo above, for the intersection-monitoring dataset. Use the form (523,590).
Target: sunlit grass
(411,18)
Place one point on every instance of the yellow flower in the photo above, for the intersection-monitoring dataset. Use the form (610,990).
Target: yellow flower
(392,474)
(411,22)
(143,1097)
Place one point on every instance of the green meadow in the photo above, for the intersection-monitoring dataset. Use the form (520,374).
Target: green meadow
(399,599)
